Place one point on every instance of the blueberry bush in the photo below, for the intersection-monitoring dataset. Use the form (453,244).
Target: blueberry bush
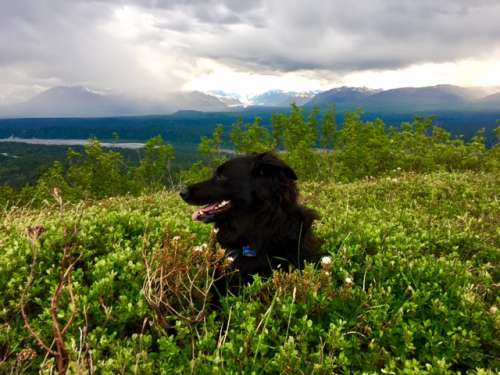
(118,285)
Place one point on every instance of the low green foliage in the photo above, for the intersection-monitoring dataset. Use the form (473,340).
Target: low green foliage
(113,277)
(412,286)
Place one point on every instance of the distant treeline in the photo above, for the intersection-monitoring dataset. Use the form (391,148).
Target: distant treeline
(313,144)
(186,127)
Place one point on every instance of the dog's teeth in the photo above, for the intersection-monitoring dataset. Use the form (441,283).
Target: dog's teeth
(221,204)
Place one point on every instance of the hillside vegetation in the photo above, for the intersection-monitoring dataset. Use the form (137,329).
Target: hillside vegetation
(117,286)
(102,270)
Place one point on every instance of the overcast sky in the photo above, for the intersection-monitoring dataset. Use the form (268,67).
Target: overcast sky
(150,47)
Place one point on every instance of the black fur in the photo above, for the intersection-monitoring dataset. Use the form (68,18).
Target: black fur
(264,214)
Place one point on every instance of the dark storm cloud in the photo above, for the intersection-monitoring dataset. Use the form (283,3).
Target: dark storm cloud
(363,35)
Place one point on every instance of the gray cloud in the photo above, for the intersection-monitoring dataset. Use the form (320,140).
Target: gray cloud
(208,11)
(56,42)
(66,42)
(293,35)
(364,35)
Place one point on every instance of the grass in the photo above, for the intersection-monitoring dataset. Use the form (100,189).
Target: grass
(412,287)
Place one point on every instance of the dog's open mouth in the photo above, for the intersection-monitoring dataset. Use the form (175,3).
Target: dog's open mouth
(209,212)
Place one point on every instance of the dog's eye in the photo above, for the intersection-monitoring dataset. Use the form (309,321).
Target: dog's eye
(220,177)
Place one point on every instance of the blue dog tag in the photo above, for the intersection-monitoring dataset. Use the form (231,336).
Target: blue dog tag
(249,252)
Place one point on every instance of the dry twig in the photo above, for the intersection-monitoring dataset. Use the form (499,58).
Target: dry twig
(179,280)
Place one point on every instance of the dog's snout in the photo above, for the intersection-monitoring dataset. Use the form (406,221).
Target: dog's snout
(185,193)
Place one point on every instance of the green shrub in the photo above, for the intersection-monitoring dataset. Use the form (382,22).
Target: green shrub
(412,286)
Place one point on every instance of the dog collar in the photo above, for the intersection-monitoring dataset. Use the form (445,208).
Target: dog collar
(249,252)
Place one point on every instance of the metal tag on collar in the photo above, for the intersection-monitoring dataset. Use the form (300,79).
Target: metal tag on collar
(249,252)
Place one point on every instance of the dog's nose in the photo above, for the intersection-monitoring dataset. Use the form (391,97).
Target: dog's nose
(185,193)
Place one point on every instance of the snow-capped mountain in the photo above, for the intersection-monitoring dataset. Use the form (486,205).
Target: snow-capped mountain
(279,98)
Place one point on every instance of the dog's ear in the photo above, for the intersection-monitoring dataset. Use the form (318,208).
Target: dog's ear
(267,164)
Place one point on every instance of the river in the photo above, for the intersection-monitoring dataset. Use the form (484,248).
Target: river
(71,142)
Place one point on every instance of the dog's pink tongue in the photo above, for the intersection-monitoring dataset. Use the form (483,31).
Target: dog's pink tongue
(197,214)
(200,212)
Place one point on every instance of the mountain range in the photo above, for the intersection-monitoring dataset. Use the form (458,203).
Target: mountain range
(409,99)
(78,101)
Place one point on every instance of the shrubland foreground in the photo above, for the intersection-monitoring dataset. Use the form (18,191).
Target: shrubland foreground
(119,286)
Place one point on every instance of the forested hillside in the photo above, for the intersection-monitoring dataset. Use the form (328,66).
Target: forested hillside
(314,143)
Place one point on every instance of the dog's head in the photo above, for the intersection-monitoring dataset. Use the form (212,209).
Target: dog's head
(243,185)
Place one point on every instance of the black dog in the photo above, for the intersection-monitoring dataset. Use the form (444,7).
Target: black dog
(253,202)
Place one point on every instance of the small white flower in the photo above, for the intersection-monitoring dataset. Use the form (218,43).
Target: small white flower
(204,246)
(229,260)
(215,230)
(348,280)
(326,263)
(326,260)
(176,238)
(493,310)
(197,249)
